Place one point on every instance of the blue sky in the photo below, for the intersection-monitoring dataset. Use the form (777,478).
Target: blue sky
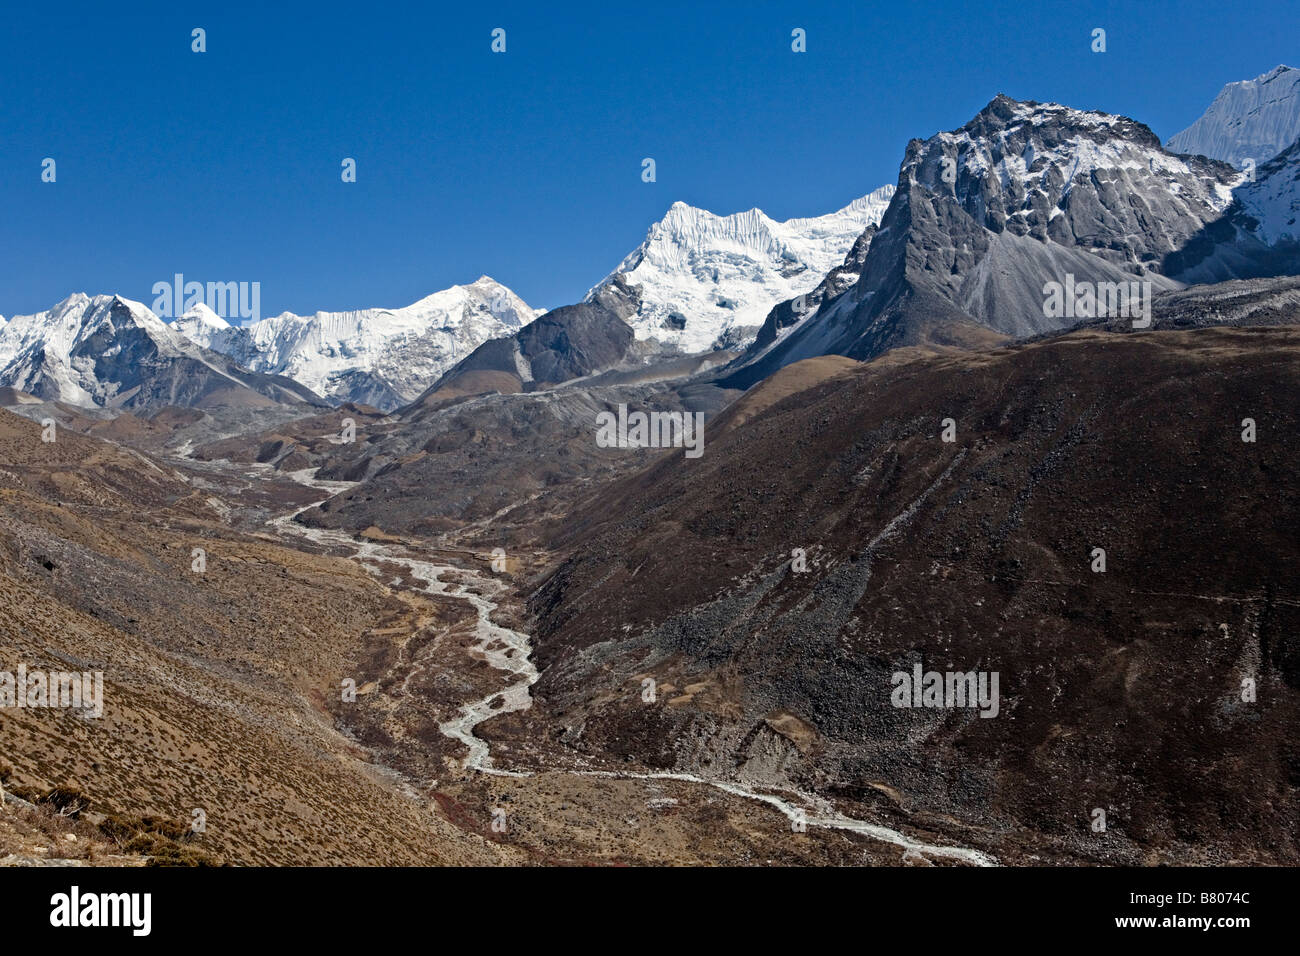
(225,165)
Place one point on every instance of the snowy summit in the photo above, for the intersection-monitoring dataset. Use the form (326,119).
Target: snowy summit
(708,281)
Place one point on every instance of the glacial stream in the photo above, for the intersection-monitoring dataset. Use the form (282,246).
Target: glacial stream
(510,651)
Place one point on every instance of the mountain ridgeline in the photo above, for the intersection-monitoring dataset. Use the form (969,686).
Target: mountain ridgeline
(107,351)
(958,254)
(936,441)
(984,216)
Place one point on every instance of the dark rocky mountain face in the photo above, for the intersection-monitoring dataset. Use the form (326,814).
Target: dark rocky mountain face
(367,388)
(984,216)
(212,381)
(1121,689)
(837,281)
(565,343)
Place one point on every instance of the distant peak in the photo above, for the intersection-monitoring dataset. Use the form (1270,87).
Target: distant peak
(132,306)
(1005,106)
(1252,119)
(680,212)
(205,316)
(873,198)
(80,301)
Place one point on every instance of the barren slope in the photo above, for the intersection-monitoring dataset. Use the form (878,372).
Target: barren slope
(1120,690)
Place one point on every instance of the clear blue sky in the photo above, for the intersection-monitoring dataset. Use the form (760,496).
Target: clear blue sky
(525,165)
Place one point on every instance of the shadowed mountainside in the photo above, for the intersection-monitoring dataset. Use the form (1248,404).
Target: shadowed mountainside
(1119,690)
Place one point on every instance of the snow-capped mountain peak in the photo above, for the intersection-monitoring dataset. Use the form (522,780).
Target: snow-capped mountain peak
(77,319)
(383,357)
(1249,120)
(707,280)
(1013,150)
(107,350)
(202,317)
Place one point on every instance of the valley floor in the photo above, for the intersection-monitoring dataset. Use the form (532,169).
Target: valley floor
(554,811)
(223,695)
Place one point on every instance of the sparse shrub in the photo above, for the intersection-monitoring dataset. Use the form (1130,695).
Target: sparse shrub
(165,842)
(67,800)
